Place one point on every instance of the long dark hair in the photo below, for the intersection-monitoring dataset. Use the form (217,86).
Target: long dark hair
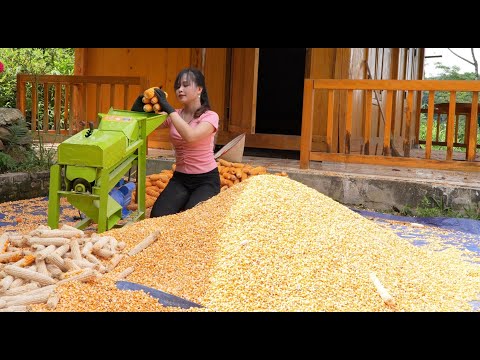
(196,77)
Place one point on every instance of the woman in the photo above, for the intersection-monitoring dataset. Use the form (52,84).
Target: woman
(192,132)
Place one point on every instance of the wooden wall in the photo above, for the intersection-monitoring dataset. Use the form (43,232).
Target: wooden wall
(231,79)
(159,66)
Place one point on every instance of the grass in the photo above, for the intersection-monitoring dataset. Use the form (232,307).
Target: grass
(432,206)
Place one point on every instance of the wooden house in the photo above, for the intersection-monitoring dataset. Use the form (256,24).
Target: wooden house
(339,104)
(258,91)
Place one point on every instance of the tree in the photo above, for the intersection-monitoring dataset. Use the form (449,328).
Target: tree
(54,61)
(450,73)
(473,62)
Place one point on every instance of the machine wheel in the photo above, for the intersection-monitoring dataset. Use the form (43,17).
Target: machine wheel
(81,186)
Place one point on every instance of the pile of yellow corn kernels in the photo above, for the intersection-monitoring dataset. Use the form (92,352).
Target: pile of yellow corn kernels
(271,244)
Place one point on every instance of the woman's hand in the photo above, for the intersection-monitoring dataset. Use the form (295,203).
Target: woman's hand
(138,104)
(162,100)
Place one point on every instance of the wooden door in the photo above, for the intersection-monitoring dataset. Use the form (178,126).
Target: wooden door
(243,90)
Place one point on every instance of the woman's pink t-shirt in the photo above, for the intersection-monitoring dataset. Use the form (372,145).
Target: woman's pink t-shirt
(195,157)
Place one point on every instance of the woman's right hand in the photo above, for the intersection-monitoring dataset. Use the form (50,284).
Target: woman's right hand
(162,100)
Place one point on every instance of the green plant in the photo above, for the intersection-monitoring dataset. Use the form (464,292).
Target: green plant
(53,61)
(7,164)
(407,211)
(431,206)
(472,212)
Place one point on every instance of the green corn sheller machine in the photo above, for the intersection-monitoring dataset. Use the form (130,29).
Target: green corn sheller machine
(92,162)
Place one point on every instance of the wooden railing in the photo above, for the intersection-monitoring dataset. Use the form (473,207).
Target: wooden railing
(462,114)
(411,155)
(69,103)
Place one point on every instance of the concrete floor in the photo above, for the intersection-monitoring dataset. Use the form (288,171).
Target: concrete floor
(454,178)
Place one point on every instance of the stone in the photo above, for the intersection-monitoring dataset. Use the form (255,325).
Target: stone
(10,116)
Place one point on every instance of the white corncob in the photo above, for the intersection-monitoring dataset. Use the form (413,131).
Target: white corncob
(149,240)
(55,259)
(72,228)
(75,249)
(16,283)
(42,254)
(37,231)
(5,283)
(48,241)
(70,265)
(84,276)
(101,243)
(16,308)
(3,242)
(125,273)
(87,248)
(9,256)
(83,263)
(62,250)
(113,243)
(54,270)
(53,300)
(42,289)
(121,245)
(38,247)
(103,253)
(92,258)
(42,267)
(115,261)
(58,233)
(18,240)
(38,298)
(22,289)
(29,275)
(386,297)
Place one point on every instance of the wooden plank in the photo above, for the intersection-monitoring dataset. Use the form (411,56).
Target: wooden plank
(254,87)
(348,121)
(471,136)
(215,78)
(126,105)
(329,135)
(408,125)
(388,124)
(265,141)
(243,96)
(342,71)
(45,108)
(196,58)
(80,65)
(112,95)
(428,137)
(84,116)
(368,122)
(67,114)
(307,124)
(56,107)
(450,123)
(129,80)
(456,125)
(98,93)
(396,161)
(406,85)
(21,94)
(34,123)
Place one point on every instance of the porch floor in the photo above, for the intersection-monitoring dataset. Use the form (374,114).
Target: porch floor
(469,179)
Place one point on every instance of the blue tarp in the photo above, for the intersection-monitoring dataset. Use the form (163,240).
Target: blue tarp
(457,224)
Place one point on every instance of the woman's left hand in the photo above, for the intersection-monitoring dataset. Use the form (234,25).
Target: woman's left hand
(162,100)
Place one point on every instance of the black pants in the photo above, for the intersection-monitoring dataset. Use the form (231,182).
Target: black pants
(184,191)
